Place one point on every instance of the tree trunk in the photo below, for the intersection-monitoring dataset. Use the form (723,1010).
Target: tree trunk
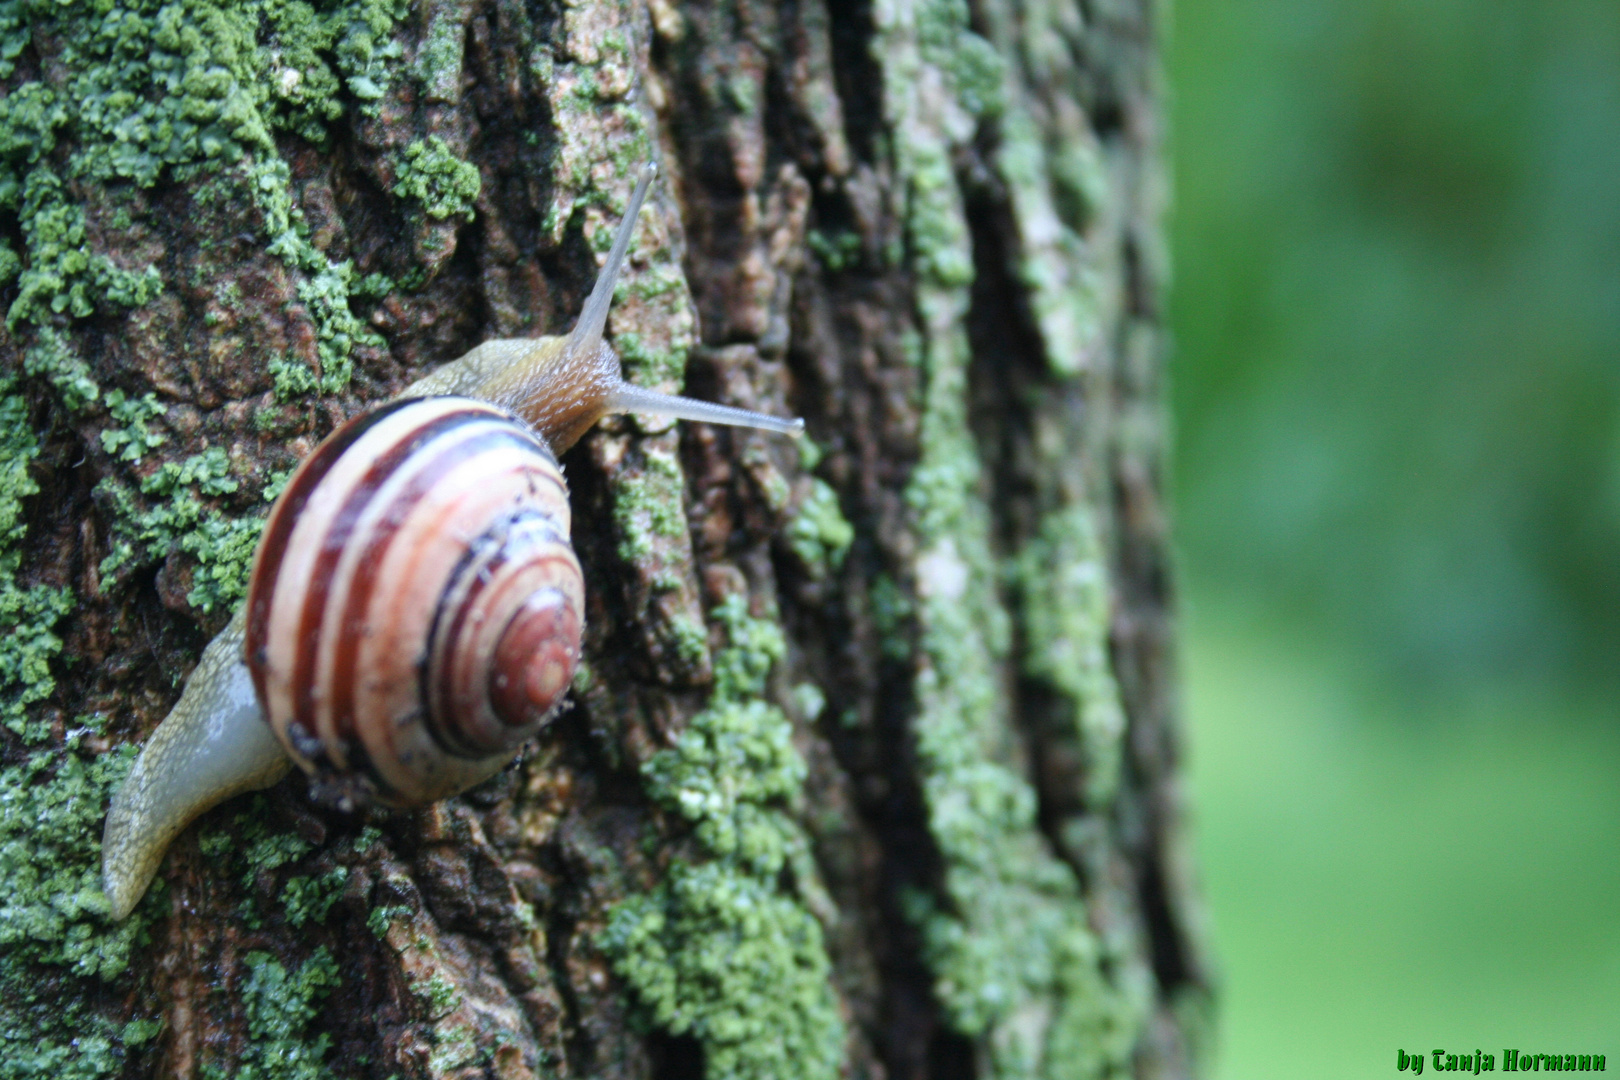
(872,769)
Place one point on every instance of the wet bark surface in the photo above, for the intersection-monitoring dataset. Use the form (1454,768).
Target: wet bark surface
(793,261)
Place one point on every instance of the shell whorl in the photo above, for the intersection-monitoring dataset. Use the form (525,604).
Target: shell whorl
(416,607)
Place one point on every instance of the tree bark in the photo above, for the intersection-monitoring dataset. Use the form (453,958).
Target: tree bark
(873,768)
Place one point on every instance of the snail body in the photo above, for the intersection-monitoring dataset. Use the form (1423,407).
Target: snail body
(416,608)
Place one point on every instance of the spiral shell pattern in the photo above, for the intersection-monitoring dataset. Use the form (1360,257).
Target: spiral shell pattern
(416,607)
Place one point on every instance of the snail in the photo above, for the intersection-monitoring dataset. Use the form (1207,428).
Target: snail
(415,607)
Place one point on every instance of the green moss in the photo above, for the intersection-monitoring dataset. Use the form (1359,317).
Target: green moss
(837,252)
(152,88)
(53,357)
(176,516)
(380,918)
(727,774)
(294,379)
(261,849)
(721,956)
(819,533)
(50,845)
(646,365)
(688,638)
(28,614)
(809,701)
(1015,964)
(439,994)
(662,280)
(131,441)
(63,276)
(455,1047)
(311,898)
(281,1008)
(134,92)
(223,548)
(1063,588)
(717,950)
(54,933)
(59,1040)
(938,233)
(1066,286)
(649,506)
(431,173)
(440,57)
(248,847)
(28,644)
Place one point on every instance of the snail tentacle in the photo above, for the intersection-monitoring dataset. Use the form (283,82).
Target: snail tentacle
(564,385)
(213,745)
(587,332)
(628,398)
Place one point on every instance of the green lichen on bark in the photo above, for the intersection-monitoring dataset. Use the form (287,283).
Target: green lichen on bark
(1064,215)
(62,276)
(281,1008)
(128,96)
(56,942)
(143,92)
(130,436)
(54,932)
(1062,582)
(431,174)
(222,545)
(719,950)
(648,506)
(819,533)
(1015,964)
(28,613)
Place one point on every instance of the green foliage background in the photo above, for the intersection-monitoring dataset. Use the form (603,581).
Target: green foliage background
(1397,394)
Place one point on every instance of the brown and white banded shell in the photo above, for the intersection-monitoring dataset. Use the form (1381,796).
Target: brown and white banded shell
(416,607)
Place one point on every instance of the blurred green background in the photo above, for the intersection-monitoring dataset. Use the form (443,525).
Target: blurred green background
(1397,395)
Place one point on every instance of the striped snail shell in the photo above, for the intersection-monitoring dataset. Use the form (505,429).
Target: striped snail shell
(416,607)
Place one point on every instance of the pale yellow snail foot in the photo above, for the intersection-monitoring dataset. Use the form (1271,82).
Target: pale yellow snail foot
(211,746)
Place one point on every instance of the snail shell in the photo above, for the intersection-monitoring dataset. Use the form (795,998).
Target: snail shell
(415,609)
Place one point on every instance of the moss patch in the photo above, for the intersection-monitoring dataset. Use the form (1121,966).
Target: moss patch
(1063,588)
(431,174)
(55,939)
(718,950)
(222,545)
(130,437)
(649,506)
(308,899)
(137,92)
(28,614)
(1015,964)
(819,533)
(50,847)
(159,88)
(281,1008)
(56,945)
(62,275)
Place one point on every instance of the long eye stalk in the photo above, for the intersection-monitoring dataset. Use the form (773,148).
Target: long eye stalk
(593,316)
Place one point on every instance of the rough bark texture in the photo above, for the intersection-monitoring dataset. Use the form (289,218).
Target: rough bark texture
(873,771)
